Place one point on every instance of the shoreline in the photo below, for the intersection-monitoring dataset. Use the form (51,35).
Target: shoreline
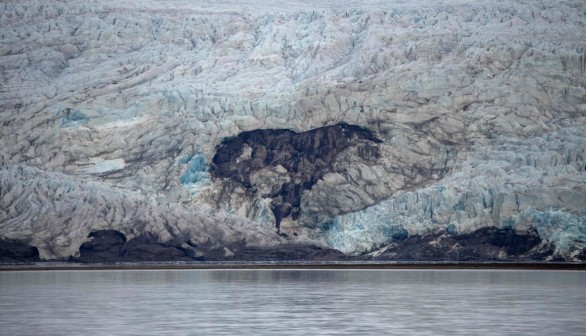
(296,266)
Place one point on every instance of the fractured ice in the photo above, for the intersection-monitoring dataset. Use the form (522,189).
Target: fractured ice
(111,112)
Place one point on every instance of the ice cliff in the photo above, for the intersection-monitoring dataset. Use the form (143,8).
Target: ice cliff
(112,112)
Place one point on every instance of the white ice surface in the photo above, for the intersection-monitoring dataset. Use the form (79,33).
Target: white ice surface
(478,99)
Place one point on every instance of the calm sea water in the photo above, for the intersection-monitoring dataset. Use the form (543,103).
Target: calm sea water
(290,302)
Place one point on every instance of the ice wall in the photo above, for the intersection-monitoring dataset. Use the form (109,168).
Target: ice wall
(116,94)
(535,183)
(56,212)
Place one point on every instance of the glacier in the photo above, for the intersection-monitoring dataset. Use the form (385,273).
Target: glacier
(111,113)
(534,183)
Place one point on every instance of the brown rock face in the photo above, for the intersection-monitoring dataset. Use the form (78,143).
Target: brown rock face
(112,246)
(489,243)
(107,246)
(14,251)
(302,158)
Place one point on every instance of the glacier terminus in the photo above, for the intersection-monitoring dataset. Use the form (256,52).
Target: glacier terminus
(251,130)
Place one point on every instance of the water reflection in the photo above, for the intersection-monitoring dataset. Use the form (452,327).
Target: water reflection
(290,302)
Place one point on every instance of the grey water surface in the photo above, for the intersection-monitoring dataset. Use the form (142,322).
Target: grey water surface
(293,302)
